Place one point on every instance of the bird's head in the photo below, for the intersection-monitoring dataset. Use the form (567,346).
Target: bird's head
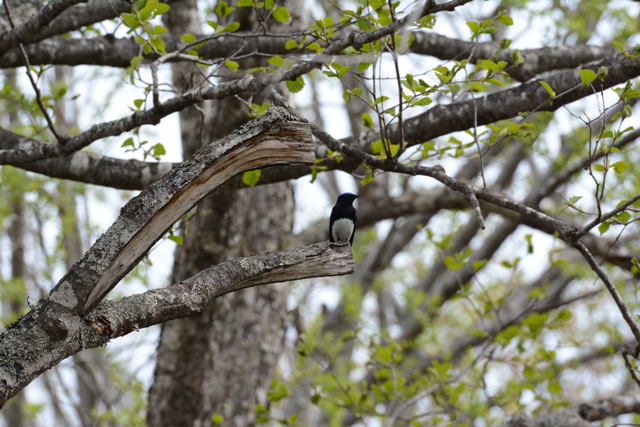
(346,199)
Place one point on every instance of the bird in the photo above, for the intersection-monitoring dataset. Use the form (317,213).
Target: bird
(342,224)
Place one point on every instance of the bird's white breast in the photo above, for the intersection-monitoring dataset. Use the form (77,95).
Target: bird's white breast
(342,230)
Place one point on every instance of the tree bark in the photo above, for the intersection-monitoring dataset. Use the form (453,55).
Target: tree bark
(197,374)
(56,323)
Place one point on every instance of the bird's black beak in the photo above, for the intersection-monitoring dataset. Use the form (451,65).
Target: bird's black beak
(358,195)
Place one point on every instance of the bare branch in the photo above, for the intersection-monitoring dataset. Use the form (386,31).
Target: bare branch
(626,314)
(115,318)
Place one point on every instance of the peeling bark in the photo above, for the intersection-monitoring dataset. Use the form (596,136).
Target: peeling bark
(55,323)
(28,348)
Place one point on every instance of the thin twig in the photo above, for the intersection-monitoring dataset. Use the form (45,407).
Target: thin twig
(626,314)
(33,82)
(606,216)
(394,54)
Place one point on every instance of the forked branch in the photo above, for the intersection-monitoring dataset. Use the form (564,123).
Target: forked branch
(56,328)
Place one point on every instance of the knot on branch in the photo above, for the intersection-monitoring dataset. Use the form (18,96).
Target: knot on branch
(101,325)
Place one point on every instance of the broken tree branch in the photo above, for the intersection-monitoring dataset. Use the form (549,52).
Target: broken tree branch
(277,138)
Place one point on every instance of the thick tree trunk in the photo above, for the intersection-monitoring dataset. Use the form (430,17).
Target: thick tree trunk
(222,362)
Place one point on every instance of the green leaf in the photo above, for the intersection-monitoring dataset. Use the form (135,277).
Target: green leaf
(347,96)
(620,167)
(384,354)
(505,19)
(291,44)
(544,84)
(128,143)
(574,199)
(138,103)
(623,216)
(377,148)
(452,264)
(159,29)
(213,24)
(231,64)
(489,65)
(423,101)
(474,26)
(367,179)
(598,167)
(587,76)
(131,20)
(632,94)
(245,3)
(281,14)
(158,150)
(217,419)
(251,178)
(135,61)
(296,85)
(478,87)
(342,71)
(313,46)
(517,58)
(255,70)
(618,46)
(158,44)
(276,61)
(363,66)
(529,243)
(188,38)
(222,9)
(478,264)
(278,391)
(178,239)
(315,399)
(380,99)
(602,228)
(161,8)
(368,121)
(554,387)
(232,27)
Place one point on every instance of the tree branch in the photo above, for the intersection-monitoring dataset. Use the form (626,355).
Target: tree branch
(115,318)
(536,60)
(223,90)
(582,415)
(112,52)
(54,324)
(35,25)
